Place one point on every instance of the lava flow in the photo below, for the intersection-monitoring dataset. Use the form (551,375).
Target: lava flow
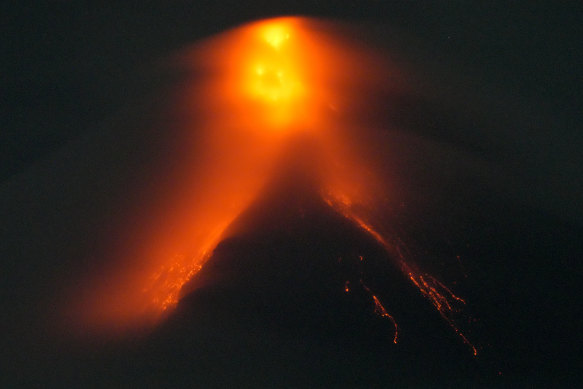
(252,90)
(380,310)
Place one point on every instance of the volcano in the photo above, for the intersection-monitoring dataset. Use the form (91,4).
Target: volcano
(293,202)
(292,298)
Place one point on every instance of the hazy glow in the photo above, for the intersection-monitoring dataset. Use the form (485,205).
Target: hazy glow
(253,88)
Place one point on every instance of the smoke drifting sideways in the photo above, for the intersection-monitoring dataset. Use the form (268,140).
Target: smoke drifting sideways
(245,96)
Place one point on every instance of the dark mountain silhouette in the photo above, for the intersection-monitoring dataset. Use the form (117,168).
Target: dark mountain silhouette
(270,308)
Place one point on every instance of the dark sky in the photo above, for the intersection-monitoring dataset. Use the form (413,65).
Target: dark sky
(66,66)
(509,71)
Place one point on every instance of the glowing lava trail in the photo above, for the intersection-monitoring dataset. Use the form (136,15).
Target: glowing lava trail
(440,296)
(254,89)
(380,310)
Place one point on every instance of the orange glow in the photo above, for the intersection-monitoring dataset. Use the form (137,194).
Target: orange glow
(248,91)
(347,287)
(261,74)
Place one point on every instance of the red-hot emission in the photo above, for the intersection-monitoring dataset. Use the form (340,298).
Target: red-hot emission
(252,89)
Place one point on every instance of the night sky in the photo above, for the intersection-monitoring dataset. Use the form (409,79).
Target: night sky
(488,157)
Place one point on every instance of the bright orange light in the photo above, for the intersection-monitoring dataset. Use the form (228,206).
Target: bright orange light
(275,34)
(276,73)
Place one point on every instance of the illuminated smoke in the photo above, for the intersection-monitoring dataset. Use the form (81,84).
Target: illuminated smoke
(253,89)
